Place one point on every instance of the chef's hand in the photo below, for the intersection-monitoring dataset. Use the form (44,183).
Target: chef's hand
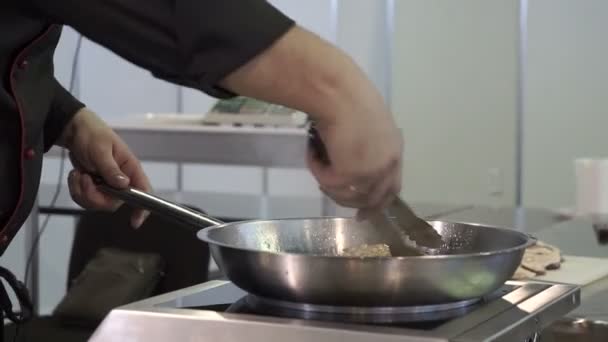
(304,72)
(96,149)
(364,149)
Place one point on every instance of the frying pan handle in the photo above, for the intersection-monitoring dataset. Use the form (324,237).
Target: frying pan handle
(144,200)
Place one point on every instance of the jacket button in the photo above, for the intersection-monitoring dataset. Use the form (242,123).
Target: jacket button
(29,154)
(23,64)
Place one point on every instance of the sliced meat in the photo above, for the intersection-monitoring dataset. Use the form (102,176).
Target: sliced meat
(523,274)
(367,251)
(537,260)
(541,257)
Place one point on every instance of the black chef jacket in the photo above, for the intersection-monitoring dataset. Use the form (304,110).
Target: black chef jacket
(194,43)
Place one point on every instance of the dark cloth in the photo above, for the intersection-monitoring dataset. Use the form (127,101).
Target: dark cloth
(191,43)
(47,329)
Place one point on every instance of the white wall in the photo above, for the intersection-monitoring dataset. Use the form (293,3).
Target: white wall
(567,106)
(453,94)
(362,33)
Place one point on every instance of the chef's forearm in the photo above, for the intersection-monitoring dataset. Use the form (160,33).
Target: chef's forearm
(304,72)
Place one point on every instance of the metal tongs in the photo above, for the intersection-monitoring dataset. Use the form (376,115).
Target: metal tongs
(398,226)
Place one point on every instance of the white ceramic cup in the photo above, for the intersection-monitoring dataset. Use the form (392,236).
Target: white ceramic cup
(591,186)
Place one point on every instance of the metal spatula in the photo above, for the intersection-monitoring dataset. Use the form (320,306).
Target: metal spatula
(391,234)
(417,229)
(405,233)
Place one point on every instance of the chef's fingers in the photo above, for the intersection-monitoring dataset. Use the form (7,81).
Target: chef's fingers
(138,179)
(370,189)
(131,167)
(383,196)
(94,198)
(76,163)
(331,179)
(385,193)
(109,170)
(386,189)
(317,167)
(337,188)
(321,170)
(74,187)
(344,197)
(395,189)
(334,180)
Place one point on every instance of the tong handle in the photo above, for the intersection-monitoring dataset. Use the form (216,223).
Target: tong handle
(144,200)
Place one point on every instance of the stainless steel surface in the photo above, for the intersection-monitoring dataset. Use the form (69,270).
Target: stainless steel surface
(417,229)
(576,330)
(594,302)
(189,217)
(210,326)
(297,260)
(258,301)
(264,146)
(532,219)
(168,317)
(508,300)
(526,318)
(578,237)
(429,314)
(522,57)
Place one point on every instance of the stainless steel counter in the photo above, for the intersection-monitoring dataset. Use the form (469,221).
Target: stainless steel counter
(578,237)
(573,236)
(529,219)
(518,315)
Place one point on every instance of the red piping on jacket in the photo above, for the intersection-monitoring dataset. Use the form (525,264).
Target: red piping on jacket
(19,109)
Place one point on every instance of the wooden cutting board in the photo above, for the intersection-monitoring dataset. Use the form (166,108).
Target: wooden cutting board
(578,271)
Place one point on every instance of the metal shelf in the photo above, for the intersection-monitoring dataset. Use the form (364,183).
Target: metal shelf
(226,145)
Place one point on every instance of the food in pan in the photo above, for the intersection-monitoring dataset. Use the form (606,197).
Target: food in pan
(368,251)
(537,260)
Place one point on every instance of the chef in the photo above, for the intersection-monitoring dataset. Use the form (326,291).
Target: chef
(222,48)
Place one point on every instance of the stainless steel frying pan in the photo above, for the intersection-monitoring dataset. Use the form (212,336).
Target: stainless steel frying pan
(299,260)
